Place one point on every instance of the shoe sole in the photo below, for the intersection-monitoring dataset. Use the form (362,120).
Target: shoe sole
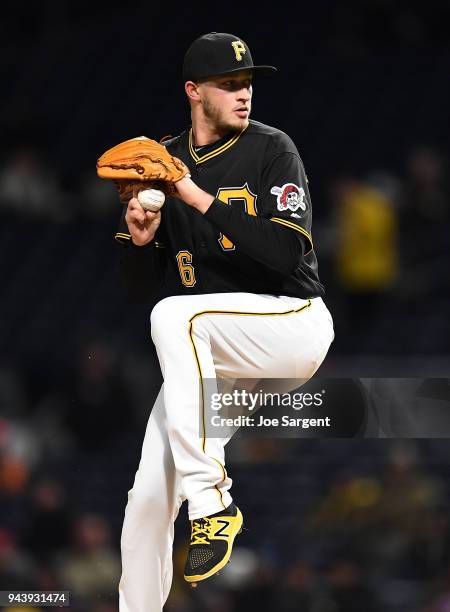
(238,529)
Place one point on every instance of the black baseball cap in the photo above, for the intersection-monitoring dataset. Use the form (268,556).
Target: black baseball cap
(218,53)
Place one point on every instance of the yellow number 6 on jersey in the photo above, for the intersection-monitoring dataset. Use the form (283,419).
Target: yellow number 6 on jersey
(186,269)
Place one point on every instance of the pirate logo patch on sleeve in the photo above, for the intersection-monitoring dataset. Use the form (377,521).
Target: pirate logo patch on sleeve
(290,197)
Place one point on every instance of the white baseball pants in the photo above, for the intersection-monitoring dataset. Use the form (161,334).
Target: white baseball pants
(227,335)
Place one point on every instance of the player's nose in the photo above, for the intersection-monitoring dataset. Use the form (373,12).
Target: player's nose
(244,94)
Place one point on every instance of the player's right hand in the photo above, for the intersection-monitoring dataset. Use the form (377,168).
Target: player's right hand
(142,224)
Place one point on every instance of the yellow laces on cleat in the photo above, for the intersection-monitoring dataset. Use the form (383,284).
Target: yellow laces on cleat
(201,528)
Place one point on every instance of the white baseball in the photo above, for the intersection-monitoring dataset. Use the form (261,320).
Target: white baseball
(151,199)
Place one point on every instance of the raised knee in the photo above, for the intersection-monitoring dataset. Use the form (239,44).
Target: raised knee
(167,308)
(166,317)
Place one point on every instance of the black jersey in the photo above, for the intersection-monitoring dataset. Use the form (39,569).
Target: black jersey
(259,171)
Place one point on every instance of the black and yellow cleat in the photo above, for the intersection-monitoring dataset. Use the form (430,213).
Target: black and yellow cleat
(211,544)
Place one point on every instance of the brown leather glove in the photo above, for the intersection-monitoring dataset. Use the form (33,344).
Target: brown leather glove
(140,163)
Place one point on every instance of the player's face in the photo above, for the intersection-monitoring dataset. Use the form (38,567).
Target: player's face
(226,100)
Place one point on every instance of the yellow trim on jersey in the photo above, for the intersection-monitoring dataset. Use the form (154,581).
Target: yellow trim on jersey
(199,368)
(295,227)
(119,236)
(199,159)
(122,236)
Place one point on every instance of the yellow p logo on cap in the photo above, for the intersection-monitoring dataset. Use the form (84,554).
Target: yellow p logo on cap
(239,49)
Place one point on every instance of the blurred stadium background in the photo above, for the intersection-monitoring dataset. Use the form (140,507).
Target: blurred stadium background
(349,525)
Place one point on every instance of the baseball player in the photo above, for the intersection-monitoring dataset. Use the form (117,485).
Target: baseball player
(231,259)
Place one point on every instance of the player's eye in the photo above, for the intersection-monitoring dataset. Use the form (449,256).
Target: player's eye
(236,85)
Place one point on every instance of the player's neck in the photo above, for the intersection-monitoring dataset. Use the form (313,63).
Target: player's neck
(206,133)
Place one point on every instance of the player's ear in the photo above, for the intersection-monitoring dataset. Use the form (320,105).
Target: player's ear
(191,90)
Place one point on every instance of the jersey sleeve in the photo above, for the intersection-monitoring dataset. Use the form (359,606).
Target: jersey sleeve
(122,235)
(142,267)
(285,195)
